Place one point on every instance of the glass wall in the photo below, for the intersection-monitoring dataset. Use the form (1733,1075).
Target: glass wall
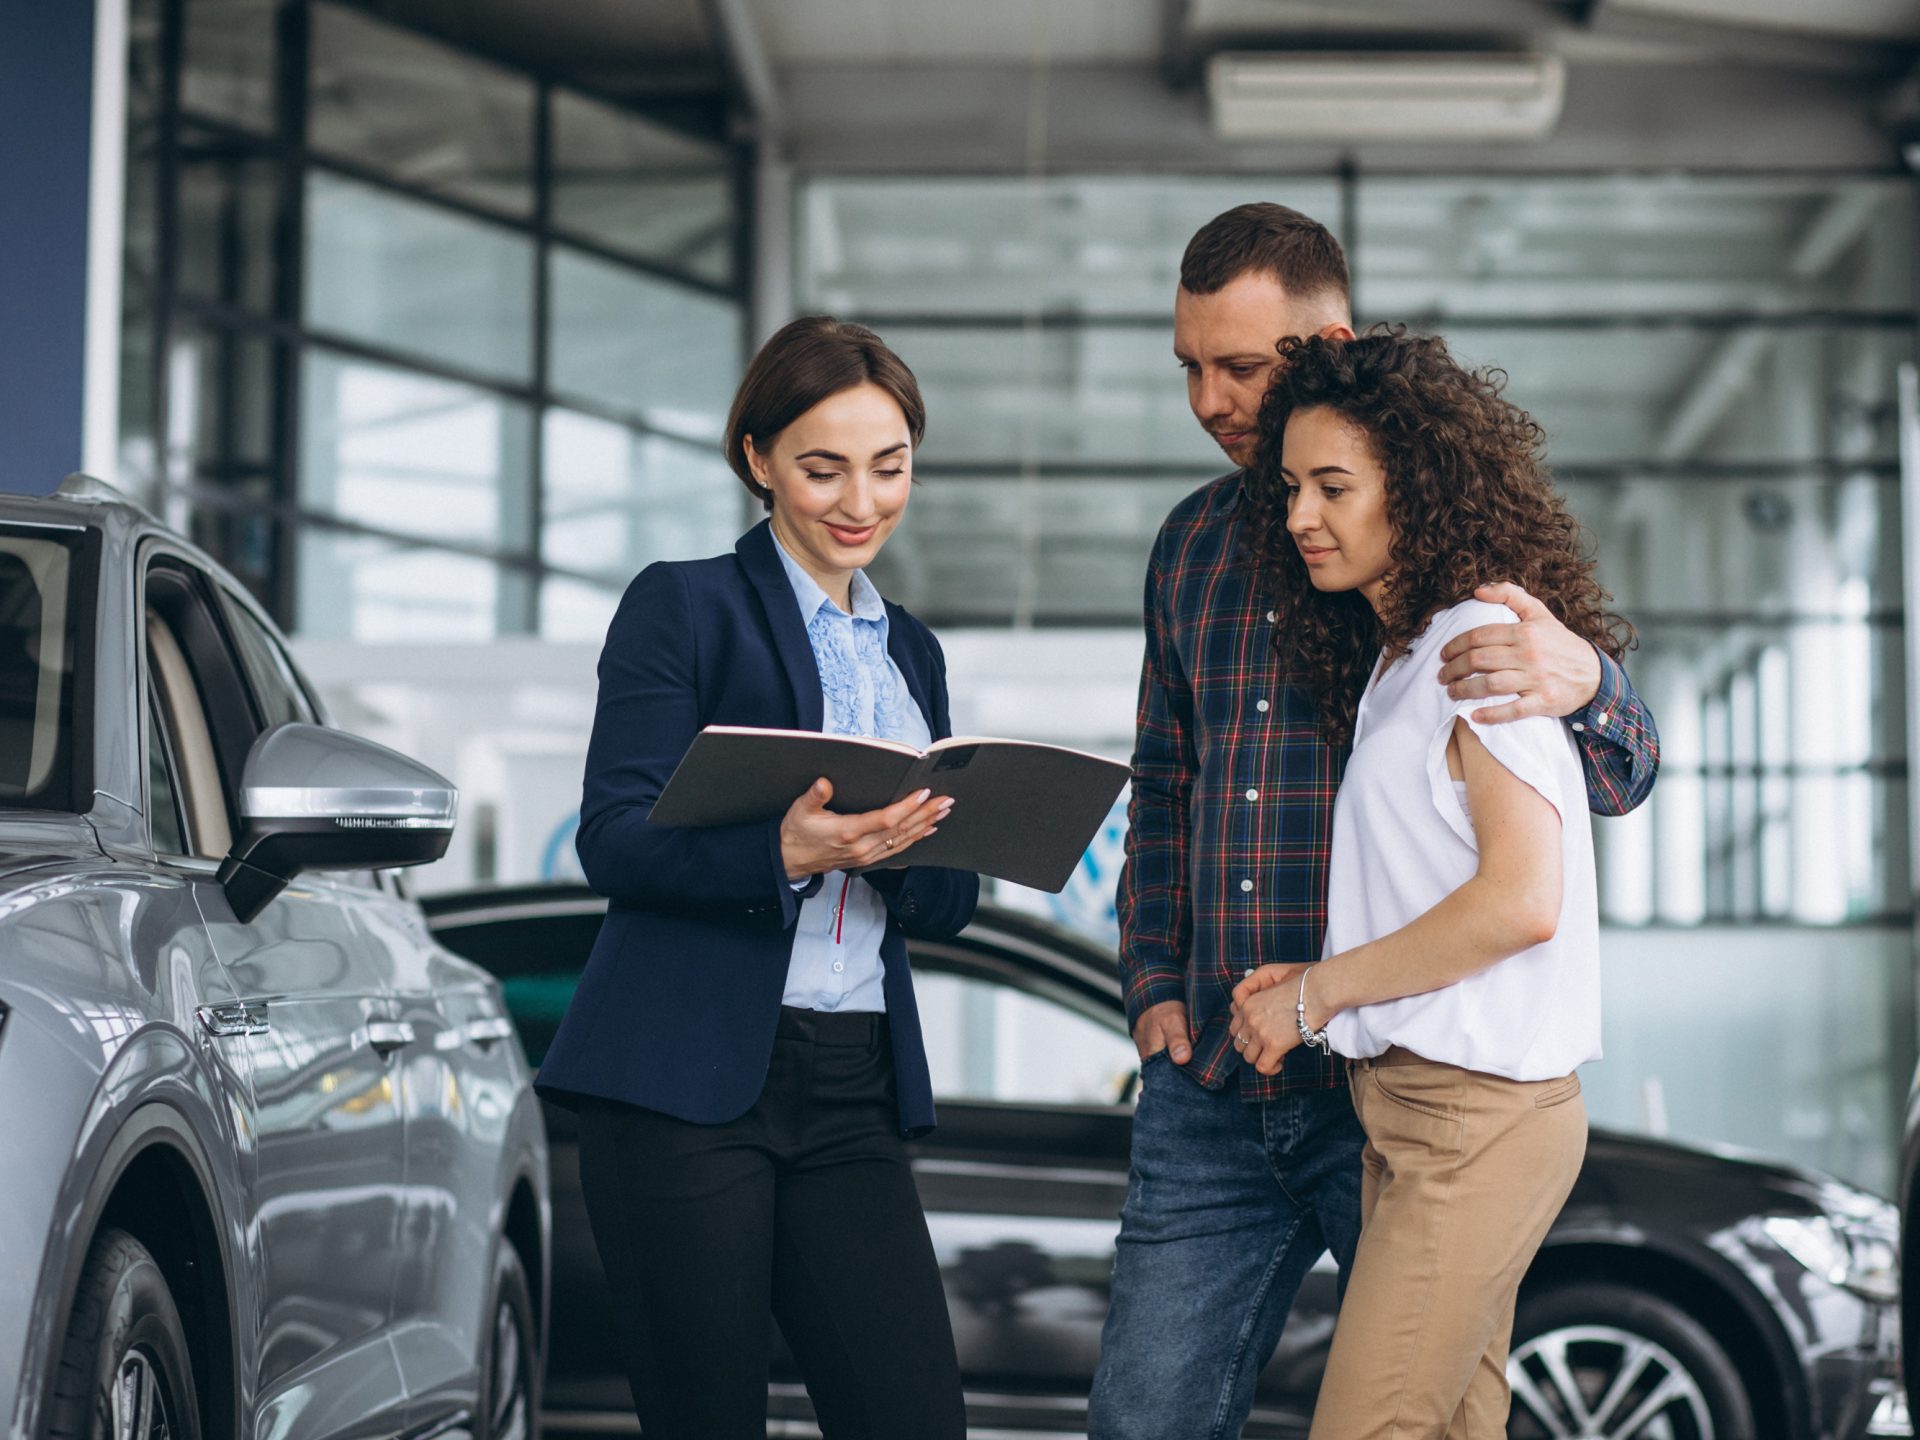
(420,346)
(1713,360)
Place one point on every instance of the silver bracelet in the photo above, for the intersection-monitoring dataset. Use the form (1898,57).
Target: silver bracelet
(1314,1039)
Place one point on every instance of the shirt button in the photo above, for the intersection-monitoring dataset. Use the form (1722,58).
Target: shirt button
(1247,973)
(1246,884)
(1253,794)
(1603,718)
(1578,728)
(838,966)
(1261,706)
(1272,616)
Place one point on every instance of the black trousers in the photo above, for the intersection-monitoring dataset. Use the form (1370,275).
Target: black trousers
(804,1209)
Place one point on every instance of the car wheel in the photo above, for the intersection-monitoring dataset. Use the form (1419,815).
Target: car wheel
(511,1393)
(1620,1364)
(124,1372)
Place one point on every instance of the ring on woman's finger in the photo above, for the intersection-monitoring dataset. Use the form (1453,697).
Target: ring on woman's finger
(888,842)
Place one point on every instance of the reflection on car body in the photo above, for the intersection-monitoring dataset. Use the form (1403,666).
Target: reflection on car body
(1681,1295)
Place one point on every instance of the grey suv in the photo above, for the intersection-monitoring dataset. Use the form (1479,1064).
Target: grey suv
(271,1165)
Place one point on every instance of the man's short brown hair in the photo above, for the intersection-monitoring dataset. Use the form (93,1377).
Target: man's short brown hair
(1267,239)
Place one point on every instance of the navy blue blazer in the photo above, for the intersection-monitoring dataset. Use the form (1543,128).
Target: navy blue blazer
(677,1007)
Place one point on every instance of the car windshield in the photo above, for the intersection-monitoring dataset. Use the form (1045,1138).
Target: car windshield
(41,603)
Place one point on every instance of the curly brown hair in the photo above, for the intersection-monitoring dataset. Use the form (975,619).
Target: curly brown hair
(1468,499)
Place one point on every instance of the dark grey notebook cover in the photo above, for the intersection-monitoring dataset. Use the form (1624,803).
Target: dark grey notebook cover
(1022,811)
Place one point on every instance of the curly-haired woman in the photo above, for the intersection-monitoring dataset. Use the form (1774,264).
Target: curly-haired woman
(1461,972)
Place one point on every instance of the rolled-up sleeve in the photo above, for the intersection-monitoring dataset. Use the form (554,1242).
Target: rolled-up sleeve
(1619,746)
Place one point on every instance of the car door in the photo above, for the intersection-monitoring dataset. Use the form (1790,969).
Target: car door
(1024,1177)
(454,1078)
(536,943)
(315,1018)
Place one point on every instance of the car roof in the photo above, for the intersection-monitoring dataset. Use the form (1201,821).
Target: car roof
(481,905)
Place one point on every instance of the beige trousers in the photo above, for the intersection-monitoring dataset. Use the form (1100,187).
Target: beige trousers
(1464,1172)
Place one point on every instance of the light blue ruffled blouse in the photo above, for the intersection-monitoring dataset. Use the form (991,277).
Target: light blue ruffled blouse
(836,952)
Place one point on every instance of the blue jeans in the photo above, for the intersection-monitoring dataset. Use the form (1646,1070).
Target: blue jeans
(1228,1206)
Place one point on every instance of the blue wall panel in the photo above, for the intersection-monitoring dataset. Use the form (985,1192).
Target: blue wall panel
(46,102)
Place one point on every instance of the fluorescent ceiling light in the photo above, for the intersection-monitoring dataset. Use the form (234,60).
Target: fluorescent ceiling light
(1266,96)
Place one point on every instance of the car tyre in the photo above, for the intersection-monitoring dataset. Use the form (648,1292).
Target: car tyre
(1587,1356)
(124,1369)
(510,1392)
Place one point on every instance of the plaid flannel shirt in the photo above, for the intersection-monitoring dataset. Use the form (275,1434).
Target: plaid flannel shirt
(1231,817)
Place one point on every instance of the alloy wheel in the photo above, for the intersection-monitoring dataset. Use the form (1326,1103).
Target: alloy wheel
(138,1404)
(1599,1382)
(507,1406)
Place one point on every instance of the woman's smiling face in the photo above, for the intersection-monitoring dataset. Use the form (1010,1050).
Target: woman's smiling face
(1337,502)
(840,476)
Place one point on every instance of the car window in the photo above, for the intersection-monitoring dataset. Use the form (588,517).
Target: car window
(163,801)
(42,597)
(988,1039)
(207,707)
(275,688)
(195,777)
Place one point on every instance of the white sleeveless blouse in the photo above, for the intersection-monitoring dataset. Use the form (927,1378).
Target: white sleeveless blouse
(1403,841)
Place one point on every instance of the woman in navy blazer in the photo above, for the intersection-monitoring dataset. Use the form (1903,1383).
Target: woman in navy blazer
(743,1048)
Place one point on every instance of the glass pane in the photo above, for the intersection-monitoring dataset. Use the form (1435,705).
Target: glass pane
(1818,1081)
(357,587)
(1827,694)
(278,693)
(1001,396)
(1735,548)
(163,805)
(410,453)
(575,611)
(1671,395)
(988,1041)
(642,188)
(617,500)
(991,550)
(40,665)
(413,277)
(219,410)
(226,217)
(228,66)
(1612,245)
(1721,844)
(667,355)
(421,112)
(1077,244)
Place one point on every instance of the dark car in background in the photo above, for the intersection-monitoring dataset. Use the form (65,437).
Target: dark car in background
(1681,1295)
(273,1166)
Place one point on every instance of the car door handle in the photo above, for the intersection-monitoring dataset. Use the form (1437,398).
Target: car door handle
(387,1036)
(240,1018)
(489,1032)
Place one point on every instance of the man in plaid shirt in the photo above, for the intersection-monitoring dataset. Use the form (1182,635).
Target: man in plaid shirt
(1240,1181)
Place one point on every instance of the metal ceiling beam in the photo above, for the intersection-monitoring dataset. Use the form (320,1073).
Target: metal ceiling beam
(746,56)
(1725,377)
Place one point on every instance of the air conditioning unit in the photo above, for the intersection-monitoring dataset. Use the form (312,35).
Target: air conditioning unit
(1264,96)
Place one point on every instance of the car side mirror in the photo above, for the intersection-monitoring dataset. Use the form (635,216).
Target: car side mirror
(318,799)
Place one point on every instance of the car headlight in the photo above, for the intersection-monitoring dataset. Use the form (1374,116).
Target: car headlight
(1854,1245)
